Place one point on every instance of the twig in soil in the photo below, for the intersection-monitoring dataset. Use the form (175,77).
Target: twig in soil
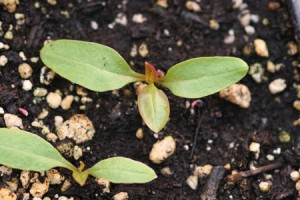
(212,185)
(241,175)
(196,135)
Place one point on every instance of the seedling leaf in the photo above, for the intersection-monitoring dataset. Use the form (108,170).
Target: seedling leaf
(122,170)
(199,77)
(26,151)
(154,107)
(94,66)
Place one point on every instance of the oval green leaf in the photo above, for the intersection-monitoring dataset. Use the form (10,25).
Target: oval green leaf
(26,151)
(122,170)
(154,107)
(91,65)
(199,77)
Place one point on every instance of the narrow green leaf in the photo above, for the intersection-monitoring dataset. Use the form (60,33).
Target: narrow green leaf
(154,107)
(26,151)
(91,65)
(199,77)
(122,170)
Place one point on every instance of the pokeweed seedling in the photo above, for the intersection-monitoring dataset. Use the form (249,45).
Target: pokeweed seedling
(26,151)
(100,68)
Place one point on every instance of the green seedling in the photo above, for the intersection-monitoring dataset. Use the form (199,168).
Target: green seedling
(26,151)
(101,68)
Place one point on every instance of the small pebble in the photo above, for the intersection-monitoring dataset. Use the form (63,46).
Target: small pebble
(66,185)
(162,3)
(40,92)
(121,19)
(3,60)
(272,5)
(25,70)
(193,6)
(255,148)
(295,176)
(13,121)
(105,183)
(202,171)
(277,86)
(54,100)
(143,50)
(133,52)
(25,177)
(292,48)
(6,194)
(51,137)
(121,196)
(27,85)
(1,111)
(139,133)
(271,67)
(46,76)
(139,18)
(296,104)
(270,157)
(238,94)
(298,185)
(163,149)
(77,152)
(237,4)
(284,136)
(58,121)
(38,189)
(264,186)
(261,48)
(245,19)
(192,181)
(9,35)
(250,30)
(94,25)
(166,171)
(4,170)
(52,2)
(257,72)
(55,177)
(67,102)
(214,24)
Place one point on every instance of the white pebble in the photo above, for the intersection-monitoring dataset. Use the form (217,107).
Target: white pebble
(295,176)
(3,60)
(264,186)
(255,148)
(121,19)
(143,50)
(192,181)
(67,102)
(261,48)
(250,30)
(53,100)
(254,18)
(94,25)
(298,185)
(245,19)
(277,86)
(1,111)
(237,3)
(13,121)
(27,85)
(270,157)
(193,6)
(277,151)
(121,196)
(25,70)
(138,18)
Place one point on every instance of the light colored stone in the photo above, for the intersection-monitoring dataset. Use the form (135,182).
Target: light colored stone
(9,35)
(13,121)
(43,114)
(38,189)
(66,185)
(65,148)
(94,25)
(265,186)
(6,194)
(46,76)
(78,127)
(162,3)
(261,48)
(139,133)
(277,86)
(163,149)
(295,176)
(139,18)
(192,181)
(139,87)
(67,102)
(55,177)
(271,67)
(297,104)
(25,177)
(9,5)
(257,72)
(25,70)
(77,152)
(133,51)
(51,137)
(12,184)
(40,92)
(3,60)
(143,50)
(214,24)
(52,2)
(237,3)
(202,171)
(250,30)
(105,183)
(238,94)
(4,170)
(166,171)
(27,85)
(121,196)
(81,91)
(54,100)
(121,19)
(292,48)
(2,111)
(193,6)
(245,19)
(298,185)
(58,121)
(255,148)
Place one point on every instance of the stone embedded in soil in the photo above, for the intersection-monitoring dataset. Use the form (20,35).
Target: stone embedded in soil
(139,133)
(12,184)
(193,6)
(255,148)
(257,72)
(9,5)
(46,76)
(163,149)
(25,70)
(38,189)
(214,24)
(238,94)
(121,196)
(55,177)
(296,104)
(4,170)
(27,85)
(292,48)
(67,102)
(54,100)
(77,152)
(265,186)
(245,18)
(66,185)
(25,177)
(3,60)
(277,86)
(295,176)
(6,194)
(143,50)
(192,181)
(162,3)
(105,183)
(261,48)
(139,18)
(13,121)
(202,171)
(40,92)
(78,127)
(166,171)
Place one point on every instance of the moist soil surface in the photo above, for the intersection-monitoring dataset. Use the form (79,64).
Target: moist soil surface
(214,131)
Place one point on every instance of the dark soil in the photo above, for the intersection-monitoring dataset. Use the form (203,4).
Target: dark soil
(219,120)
